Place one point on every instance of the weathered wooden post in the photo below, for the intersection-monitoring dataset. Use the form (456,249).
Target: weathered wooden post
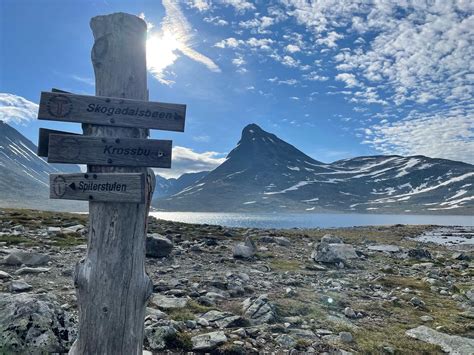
(112,286)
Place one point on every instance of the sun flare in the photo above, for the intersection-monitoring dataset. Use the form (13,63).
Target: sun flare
(160,51)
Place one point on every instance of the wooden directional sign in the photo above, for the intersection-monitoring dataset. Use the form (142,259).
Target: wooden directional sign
(110,111)
(113,187)
(64,148)
(43,140)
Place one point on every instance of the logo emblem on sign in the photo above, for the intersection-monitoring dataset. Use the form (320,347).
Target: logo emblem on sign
(59,186)
(59,106)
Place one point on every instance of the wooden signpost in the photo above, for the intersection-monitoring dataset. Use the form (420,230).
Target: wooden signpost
(111,111)
(119,187)
(111,282)
(109,151)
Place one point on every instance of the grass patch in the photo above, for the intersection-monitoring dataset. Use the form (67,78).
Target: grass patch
(373,339)
(181,315)
(11,239)
(181,341)
(196,307)
(288,307)
(392,281)
(285,265)
(67,240)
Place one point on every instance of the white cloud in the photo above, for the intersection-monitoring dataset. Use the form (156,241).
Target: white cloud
(185,160)
(314,76)
(239,5)
(239,61)
(412,51)
(258,24)
(216,20)
(17,109)
(288,61)
(349,79)
(290,82)
(230,42)
(448,135)
(200,5)
(83,79)
(291,48)
(174,38)
(330,39)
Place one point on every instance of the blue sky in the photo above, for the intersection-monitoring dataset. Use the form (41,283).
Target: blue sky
(337,79)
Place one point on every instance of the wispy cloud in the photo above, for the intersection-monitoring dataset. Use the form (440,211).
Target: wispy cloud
(83,79)
(185,160)
(175,37)
(16,109)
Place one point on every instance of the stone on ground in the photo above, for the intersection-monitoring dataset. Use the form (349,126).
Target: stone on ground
(158,246)
(452,344)
(34,324)
(27,258)
(166,303)
(208,341)
(245,250)
(259,310)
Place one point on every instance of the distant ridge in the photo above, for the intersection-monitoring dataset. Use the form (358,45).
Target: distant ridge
(24,177)
(265,173)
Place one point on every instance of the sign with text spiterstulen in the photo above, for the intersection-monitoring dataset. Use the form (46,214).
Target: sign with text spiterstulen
(109,151)
(111,111)
(120,187)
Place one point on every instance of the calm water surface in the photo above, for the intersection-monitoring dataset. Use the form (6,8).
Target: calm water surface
(305,220)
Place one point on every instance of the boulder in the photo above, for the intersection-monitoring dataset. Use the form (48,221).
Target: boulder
(34,324)
(5,275)
(158,337)
(27,258)
(245,250)
(20,286)
(386,248)
(223,319)
(31,270)
(208,341)
(284,242)
(419,253)
(286,341)
(334,253)
(158,246)
(166,303)
(452,344)
(259,310)
(331,239)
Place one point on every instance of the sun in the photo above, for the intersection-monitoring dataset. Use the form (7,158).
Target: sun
(160,51)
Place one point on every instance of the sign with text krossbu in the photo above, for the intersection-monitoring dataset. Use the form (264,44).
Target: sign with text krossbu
(133,152)
(102,187)
(111,111)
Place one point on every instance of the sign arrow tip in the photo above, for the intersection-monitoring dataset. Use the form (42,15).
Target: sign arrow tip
(73,186)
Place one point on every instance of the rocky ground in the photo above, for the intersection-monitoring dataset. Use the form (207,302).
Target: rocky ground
(238,291)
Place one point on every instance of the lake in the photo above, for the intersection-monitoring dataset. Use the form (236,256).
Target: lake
(306,220)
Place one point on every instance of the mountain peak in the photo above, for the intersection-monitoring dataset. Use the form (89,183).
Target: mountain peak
(252,130)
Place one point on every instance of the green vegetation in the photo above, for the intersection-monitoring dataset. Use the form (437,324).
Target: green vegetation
(11,239)
(285,265)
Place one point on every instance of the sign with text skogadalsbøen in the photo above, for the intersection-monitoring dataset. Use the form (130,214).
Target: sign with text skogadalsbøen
(103,187)
(66,148)
(111,111)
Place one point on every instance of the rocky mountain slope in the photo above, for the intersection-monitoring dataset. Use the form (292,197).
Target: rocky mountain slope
(366,290)
(264,173)
(168,187)
(24,177)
